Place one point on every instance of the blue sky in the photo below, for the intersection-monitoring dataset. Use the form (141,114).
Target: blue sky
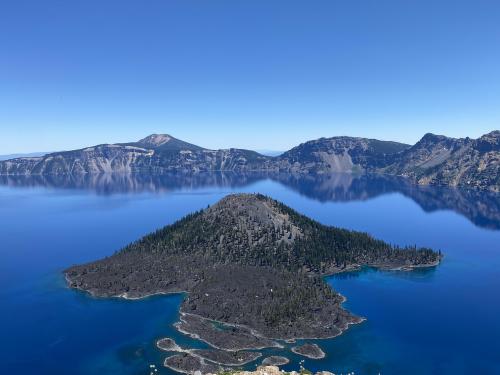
(259,74)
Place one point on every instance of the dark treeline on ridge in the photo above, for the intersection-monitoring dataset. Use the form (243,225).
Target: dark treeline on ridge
(221,237)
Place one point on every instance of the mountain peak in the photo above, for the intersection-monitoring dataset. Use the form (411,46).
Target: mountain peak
(433,137)
(165,142)
(242,198)
(253,211)
(489,142)
(255,205)
(492,134)
(155,140)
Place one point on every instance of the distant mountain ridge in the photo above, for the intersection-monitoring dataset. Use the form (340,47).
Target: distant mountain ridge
(339,154)
(434,160)
(23,155)
(440,160)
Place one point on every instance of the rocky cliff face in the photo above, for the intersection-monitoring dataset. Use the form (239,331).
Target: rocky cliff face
(434,160)
(154,154)
(160,152)
(439,160)
(202,160)
(338,154)
(97,159)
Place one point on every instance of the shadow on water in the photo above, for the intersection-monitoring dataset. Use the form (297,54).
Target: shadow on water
(481,208)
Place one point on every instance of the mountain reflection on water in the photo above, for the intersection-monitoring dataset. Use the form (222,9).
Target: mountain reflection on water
(481,208)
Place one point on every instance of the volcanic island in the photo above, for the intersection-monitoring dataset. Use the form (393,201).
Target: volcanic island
(253,272)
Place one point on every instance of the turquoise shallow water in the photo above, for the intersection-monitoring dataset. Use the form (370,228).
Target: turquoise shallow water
(438,321)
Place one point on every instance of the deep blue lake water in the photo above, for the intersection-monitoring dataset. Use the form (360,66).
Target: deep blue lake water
(439,321)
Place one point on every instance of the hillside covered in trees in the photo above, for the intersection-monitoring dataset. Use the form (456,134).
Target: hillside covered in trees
(248,260)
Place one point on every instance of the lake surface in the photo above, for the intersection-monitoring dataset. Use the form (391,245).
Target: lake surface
(443,320)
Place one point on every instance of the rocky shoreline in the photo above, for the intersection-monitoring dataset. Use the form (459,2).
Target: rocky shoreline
(187,363)
(274,370)
(229,337)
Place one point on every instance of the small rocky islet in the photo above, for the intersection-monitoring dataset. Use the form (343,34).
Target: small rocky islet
(253,271)
(275,360)
(187,363)
(309,350)
(217,356)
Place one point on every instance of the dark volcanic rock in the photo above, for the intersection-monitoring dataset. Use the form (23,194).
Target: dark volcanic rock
(229,338)
(309,350)
(279,305)
(169,345)
(188,364)
(275,360)
(221,357)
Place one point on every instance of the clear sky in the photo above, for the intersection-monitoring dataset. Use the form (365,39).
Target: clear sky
(262,74)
